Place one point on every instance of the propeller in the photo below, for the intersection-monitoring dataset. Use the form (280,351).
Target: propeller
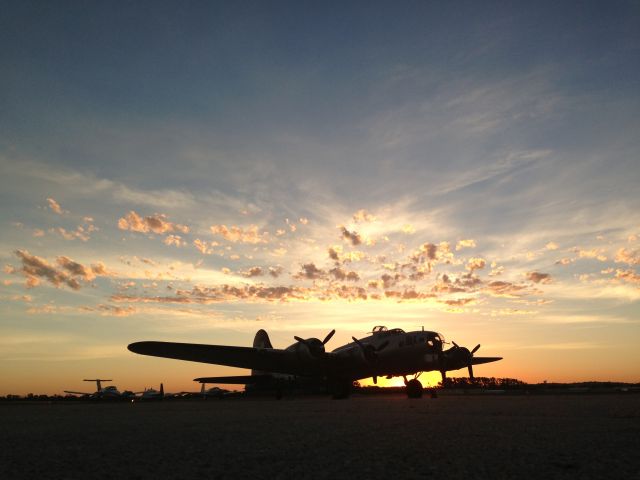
(470,361)
(458,355)
(369,351)
(315,346)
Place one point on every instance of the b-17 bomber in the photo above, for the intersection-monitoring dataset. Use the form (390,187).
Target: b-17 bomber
(383,353)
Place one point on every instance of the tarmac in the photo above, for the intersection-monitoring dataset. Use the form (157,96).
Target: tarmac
(388,436)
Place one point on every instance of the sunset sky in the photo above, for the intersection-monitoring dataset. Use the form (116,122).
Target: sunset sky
(197,171)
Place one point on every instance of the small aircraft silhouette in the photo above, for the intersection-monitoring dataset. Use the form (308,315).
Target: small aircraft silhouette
(213,392)
(110,392)
(151,394)
(388,353)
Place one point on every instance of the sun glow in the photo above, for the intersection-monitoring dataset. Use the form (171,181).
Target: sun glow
(428,380)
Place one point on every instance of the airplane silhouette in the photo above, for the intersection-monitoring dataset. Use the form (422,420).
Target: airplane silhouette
(151,394)
(388,353)
(110,392)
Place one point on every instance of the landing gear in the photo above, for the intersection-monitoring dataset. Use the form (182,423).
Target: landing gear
(414,388)
(340,389)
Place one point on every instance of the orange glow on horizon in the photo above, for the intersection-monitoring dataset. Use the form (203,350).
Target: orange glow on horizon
(428,380)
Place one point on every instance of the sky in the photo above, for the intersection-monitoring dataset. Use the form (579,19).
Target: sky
(196,171)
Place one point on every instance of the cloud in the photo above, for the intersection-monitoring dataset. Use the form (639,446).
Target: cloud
(363,216)
(55,206)
(238,234)
(630,257)
(82,232)
(276,271)
(206,248)
(496,270)
(156,223)
(426,251)
(76,269)
(419,272)
(340,274)
(596,253)
(505,289)
(309,271)
(469,243)
(34,268)
(111,310)
(431,253)
(408,229)
(174,240)
(476,263)
(78,234)
(628,276)
(70,272)
(389,281)
(408,294)
(352,237)
(253,272)
(551,246)
(221,294)
(565,261)
(459,302)
(344,292)
(337,255)
(538,277)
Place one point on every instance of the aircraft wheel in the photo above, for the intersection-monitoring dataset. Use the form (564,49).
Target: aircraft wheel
(340,390)
(414,388)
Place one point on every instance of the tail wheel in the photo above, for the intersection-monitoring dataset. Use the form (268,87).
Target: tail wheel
(414,388)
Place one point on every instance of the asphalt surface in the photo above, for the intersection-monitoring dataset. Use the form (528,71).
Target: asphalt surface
(564,436)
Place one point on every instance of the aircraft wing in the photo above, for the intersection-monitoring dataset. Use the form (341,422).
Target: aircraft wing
(238,379)
(479,360)
(78,393)
(266,359)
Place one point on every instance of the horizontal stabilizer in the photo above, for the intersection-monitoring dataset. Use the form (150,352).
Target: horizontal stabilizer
(272,360)
(238,380)
(479,360)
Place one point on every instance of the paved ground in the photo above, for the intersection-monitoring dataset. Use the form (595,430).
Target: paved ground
(565,436)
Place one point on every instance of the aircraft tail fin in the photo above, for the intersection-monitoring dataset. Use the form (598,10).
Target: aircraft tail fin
(98,382)
(161,390)
(261,340)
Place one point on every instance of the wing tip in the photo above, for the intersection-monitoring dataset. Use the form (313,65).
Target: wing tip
(138,347)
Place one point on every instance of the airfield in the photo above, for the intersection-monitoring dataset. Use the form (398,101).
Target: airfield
(452,436)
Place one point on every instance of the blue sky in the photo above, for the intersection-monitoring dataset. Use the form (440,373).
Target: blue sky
(432,142)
